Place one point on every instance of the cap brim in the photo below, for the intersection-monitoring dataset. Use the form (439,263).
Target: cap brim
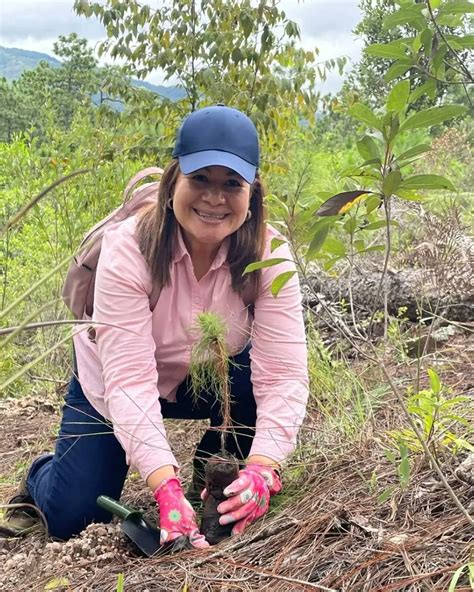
(199,160)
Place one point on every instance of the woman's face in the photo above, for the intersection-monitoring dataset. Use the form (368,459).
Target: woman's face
(210,204)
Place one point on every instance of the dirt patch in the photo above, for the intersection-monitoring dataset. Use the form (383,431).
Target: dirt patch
(343,523)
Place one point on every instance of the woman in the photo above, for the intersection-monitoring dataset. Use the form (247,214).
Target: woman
(207,225)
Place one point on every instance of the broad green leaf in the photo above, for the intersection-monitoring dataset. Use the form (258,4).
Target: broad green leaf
(266,263)
(415,151)
(319,236)
(435,382)
(275,243)
(376,225)
(373,249)
(398,97)
(401,17)
(396,70)
(434,3)
(372,203)
(465,41)
(432,116)
(456,7)
(350,225)
(428,88)
(280,281)
(427,182)
(389,51)
(410,195)
(366,115)
(368,149)
(391,183)
(335,246)
(330,263)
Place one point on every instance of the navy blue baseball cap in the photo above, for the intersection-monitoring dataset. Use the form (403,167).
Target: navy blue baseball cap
(218,135)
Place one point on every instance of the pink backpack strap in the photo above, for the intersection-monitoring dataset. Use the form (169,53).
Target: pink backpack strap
(139,177)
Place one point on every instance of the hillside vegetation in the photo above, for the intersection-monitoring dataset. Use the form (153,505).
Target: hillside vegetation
(374,196)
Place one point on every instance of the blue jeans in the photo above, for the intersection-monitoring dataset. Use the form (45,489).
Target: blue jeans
(89,461)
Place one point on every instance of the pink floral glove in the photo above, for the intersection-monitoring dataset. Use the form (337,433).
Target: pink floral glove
(177,517)
(249,496)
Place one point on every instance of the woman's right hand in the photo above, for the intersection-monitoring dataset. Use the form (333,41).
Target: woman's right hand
(177,517)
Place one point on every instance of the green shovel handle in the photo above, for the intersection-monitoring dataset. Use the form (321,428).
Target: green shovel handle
(116,508)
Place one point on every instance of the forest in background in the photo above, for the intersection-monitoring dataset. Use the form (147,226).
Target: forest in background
(371,184)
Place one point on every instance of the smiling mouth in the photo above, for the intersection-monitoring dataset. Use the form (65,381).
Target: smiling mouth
(211,217)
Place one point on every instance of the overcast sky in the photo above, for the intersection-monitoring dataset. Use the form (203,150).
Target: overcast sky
(36,24)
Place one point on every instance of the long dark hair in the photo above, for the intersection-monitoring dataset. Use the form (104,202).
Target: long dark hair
(157,229)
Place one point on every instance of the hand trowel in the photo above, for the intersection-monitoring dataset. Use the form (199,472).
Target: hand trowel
(145,536)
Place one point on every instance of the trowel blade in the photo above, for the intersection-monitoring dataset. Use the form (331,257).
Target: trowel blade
(145,536)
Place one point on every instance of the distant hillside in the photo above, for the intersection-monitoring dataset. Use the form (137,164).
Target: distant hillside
(14,61)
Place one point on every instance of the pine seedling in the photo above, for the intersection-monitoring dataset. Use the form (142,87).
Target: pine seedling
(209,367)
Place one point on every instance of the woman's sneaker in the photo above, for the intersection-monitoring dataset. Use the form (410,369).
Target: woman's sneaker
(20,516)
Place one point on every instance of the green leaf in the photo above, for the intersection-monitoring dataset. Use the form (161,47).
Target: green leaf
(280,281)
(465,41)
(398,97)
(456,7)
(373,249)
(366,115)
(120,582)
(368,149)
(335,246)
(396,70)
(376,225)
(57,583)
(350,225)
(319,236)
(372,203)
(401,17)
(330,263)
(414,151)
(432,116)
(427,182)
(428,88)
(389,51)
(263,264)
(404,466)
(391,183)
(275,243)
(410,195)
(385,495)
(435,382)
(456,575)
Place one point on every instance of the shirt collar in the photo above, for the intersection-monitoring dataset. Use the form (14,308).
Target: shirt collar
(180,250)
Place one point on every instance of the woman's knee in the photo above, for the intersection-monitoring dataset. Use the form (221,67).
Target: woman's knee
(68,517)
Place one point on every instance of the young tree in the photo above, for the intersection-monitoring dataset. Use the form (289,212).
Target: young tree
(230,51)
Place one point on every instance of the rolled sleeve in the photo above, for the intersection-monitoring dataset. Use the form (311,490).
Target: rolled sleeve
(279,362)
(127,353)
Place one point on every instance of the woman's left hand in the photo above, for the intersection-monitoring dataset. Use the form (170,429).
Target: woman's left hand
(249,496)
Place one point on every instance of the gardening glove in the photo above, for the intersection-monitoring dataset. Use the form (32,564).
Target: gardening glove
(249,496)
(177,517)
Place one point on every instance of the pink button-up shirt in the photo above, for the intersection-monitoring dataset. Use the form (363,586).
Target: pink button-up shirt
(145,354)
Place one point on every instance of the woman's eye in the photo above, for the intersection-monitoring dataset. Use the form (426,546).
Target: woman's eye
(199,178)
(233,183)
